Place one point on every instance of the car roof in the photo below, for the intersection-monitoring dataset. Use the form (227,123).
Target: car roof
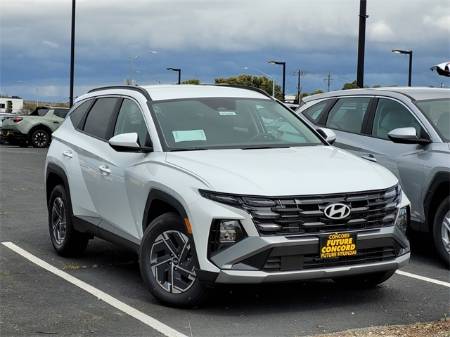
(416,93)
(182,91)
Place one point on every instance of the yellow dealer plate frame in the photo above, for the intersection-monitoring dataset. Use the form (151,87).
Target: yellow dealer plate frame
(336,245)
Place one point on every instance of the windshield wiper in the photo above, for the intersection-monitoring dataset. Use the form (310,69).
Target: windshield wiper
(257,147)
(189,149)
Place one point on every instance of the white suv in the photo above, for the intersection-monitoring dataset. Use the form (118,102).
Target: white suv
(219,184)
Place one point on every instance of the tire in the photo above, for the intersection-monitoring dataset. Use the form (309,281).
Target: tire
(40,138)
(167,253)
(365,280)
(65,239)
(441,230)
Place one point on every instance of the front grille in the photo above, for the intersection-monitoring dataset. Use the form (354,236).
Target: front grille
(305,214)
(313,261)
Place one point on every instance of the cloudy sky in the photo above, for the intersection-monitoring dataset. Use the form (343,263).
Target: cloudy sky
(215,38)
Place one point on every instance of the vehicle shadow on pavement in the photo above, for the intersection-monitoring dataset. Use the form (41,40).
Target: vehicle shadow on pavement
(120,267)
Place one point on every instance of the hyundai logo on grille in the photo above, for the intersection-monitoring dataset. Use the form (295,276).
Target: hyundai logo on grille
(337,211)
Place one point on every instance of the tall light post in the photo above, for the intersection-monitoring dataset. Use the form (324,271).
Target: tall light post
(72,54)
(283,64)
(361,43)
(410,53)
(178,70)
(267,75)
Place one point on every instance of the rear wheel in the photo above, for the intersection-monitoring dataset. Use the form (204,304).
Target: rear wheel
(441,230)
(364,280)
(65,239)
(40,138)
(168,263)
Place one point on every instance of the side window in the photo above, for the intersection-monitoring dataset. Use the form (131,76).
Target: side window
(78,114)
(61,112)
(348,114)
(391,115)
(313,113)
(130,119)
(99,117)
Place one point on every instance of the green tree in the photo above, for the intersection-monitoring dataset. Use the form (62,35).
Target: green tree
(261,82)
(191,81)
(350,85)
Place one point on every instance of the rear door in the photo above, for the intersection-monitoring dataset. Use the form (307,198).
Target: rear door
(93,153)
(347,118)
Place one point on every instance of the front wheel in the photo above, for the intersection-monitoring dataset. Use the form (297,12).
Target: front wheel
(40,138)
(441,230)
(65,239)
(365,280)
(168,263)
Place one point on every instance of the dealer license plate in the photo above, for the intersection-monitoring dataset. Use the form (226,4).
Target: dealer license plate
(338,245)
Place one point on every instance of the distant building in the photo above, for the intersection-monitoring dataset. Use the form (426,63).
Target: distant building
(13,104)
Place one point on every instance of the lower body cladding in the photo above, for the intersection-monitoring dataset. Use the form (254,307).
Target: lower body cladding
(289,258)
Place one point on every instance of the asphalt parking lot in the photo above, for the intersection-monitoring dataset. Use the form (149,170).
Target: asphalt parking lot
(37,302)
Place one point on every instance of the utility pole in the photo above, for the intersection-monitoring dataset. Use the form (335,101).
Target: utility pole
(299,74)
(328,80)
(361,42)
(72,54)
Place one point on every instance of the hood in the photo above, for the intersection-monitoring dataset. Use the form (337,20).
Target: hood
(283,171)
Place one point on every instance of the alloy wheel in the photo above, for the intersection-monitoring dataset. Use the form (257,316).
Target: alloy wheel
(59,224)
(445,231)
(172,262)
(40,138)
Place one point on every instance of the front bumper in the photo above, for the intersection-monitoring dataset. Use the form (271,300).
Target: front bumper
(238,276)
(281,258)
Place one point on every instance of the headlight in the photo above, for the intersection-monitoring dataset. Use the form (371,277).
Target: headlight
(402,220)
(223,234)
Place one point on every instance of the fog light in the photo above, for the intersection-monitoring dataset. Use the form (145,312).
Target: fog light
(223,234)
(402,219)
(229,231)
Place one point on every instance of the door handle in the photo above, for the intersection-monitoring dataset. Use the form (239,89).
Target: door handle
(104,170)
(370,157)
(67,154)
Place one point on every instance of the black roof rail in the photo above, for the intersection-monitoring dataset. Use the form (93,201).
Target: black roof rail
(125,87)
(261,91)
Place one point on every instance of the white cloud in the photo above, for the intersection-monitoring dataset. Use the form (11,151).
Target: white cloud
(381,32)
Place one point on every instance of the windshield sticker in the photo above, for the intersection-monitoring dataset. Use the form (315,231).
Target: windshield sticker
(189,135)
(227,113)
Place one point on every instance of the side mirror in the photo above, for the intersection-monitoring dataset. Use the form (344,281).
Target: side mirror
(327,134)
(406,136)
(128,142)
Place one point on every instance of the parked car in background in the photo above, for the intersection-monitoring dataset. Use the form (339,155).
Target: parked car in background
(406,130)
(34,129)
(3,116)
(217,184)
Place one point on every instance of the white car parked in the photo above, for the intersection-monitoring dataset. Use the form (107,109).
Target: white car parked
(218,184)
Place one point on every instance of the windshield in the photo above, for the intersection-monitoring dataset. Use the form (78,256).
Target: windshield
(438,112)
(209,123)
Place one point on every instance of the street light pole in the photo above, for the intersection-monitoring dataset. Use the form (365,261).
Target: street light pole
(283,64)
(178,70)
(410,53)
(72,54)
(361,42)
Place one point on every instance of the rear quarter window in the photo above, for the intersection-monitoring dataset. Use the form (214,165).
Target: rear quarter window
(61,112)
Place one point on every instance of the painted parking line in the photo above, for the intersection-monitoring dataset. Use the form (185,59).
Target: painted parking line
(423,278)
(139,315)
